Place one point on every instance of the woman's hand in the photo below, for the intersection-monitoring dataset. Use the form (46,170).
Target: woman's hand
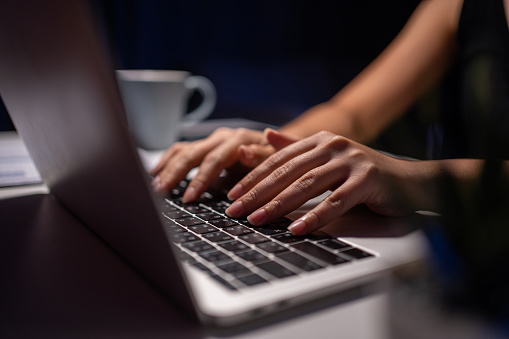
(356,174)
(219,151)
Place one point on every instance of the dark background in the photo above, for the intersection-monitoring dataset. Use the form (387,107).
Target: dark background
(269,60)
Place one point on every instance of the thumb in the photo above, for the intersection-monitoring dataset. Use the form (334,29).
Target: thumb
(254,154)
(279,140)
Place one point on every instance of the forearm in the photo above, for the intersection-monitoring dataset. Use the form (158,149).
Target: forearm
(327,116)
(384,91)
(428,184)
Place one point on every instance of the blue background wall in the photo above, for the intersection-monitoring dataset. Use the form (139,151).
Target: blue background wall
(270,60)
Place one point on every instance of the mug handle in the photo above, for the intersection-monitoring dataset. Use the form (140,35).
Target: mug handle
(205,87)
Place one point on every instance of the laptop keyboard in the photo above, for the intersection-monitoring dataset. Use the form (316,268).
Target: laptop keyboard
(237,254)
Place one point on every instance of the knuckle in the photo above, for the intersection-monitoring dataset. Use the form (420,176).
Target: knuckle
(338,142)
(213,159)
(223,130)
(281,174)
(273,161)
(274,206)
(323,134)
(251,197)
(241,131)
(306,182)
(199,182)
(180,145)
(334,204)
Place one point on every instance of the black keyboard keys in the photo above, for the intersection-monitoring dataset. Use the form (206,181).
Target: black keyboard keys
(254,238)
(299,261)
(275,269)
(320,253)
(271,247)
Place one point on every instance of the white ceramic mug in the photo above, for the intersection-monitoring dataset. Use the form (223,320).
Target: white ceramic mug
(156,102)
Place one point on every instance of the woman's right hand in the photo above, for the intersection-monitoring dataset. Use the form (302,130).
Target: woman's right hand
(222,149)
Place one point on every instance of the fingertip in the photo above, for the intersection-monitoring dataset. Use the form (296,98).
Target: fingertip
(156,169)
(298,227)
(246,152)
(235,192)
(158,185)
(190,195)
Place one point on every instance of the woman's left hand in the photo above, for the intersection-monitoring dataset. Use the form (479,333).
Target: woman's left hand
(356,174)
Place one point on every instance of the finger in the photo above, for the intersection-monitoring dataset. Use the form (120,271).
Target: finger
(279,140)
(349,194)
(166,156)
(268,166)
(209,170)
(310,185)
(291,173)
(253,155)
(221,157)
(178,162)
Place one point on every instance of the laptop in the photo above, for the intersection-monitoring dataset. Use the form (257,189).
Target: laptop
(59,87)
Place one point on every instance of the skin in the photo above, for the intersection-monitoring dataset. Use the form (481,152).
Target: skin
(302,161)
(354,173)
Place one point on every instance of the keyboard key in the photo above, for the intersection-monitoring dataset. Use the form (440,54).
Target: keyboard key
(202,267)
(252,255)
(233,246)
(194,209)
(275,269)
(223,282)
(281,223)
(244,221)
(319,253)
(177,192)
(267,230)
(177,214)
(218,206)
(237,230)
(189,221)
(254,238)
(288,238)
(183,184)
(217,236)
(183,237)
(233,267)
(215,256)
(165,207)
(202,228)
(173,228)
(198,246)
(299,261)
(252,279)
(209,216)
(334,244)
(357,253)
(221,223)
(271,247)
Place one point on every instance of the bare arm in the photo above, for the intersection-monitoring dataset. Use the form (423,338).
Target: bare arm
(378,96)
(355,174)
(414,61)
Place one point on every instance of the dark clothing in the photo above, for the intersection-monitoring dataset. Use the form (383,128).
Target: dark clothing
(476,123)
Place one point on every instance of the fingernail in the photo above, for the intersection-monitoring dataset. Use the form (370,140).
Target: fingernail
(258,217)
(297,227)
(235,209)
(235,192)
(157,183)
(189,195)
(247,151)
